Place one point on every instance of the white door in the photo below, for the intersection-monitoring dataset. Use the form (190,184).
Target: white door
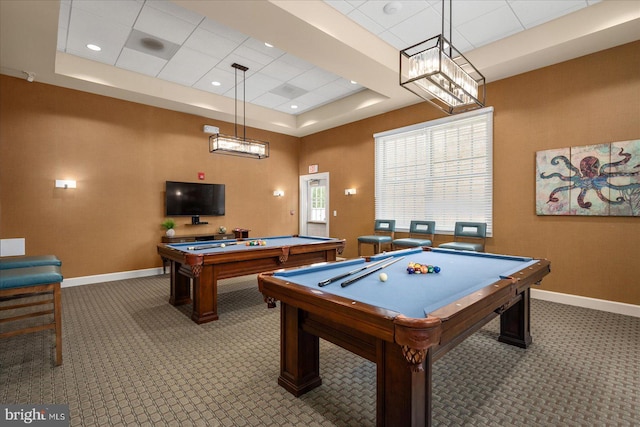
(314,205)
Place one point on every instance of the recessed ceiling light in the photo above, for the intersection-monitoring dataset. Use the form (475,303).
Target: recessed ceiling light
(268,44)
(216,83)
(94,47)
(353,82)
(293,107)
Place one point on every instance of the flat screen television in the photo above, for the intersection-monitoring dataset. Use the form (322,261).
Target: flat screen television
(194,199)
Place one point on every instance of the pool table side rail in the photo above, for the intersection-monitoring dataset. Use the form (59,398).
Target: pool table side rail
(515,283)
(467,315)
(372,320)
(282,252)
(340,313)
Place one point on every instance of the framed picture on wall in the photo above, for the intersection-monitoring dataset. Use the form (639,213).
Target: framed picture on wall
(592,180)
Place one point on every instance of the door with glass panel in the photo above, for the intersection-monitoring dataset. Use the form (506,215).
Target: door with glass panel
(314,205)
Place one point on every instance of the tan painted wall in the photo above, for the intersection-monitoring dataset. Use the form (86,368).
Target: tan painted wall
(121,154)
(590,100)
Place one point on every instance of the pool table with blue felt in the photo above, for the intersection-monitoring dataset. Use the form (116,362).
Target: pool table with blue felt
(203,263)
(403,324)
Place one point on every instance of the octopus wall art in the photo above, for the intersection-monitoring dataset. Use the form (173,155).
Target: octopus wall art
(601,179)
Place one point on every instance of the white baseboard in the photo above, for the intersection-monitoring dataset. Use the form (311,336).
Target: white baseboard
(586,302)
(575,300)
(110,277)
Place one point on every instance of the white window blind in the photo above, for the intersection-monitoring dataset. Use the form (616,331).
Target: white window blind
(439,171)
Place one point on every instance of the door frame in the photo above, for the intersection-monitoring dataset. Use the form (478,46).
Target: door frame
(304,197)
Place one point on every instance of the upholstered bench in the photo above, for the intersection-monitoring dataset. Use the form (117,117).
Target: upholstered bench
(383,233)
(420,234)
(474,231)
(28,261)
(24,282)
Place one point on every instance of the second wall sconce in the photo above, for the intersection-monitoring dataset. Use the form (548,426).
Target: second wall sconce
(65,183)
(278,193)
(349,191)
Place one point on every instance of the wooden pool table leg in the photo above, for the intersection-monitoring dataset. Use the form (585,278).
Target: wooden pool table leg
(299,353)
(403,395)
(180,292)
(205,296)
(515,325)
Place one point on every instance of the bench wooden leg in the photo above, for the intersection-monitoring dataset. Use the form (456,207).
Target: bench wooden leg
(57,318)
(56,299)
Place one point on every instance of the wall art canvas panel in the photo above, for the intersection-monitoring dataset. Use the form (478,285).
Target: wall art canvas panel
(587,196)
(592,180)
(624,178)
(550,198)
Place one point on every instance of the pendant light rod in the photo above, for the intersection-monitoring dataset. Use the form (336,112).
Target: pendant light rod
(244,115)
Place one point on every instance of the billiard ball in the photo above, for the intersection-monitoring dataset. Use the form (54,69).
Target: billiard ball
(383,277)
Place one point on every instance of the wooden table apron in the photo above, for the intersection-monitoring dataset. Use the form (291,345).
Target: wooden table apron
(403,349)
(204,270)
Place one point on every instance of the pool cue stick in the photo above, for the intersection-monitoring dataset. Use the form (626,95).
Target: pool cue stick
(380,267)
(349,273)
(213,246)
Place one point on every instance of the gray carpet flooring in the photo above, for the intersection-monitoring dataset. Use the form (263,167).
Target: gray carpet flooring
(132,359)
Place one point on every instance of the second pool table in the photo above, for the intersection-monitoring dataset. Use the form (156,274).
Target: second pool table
(403,324)
(206,262)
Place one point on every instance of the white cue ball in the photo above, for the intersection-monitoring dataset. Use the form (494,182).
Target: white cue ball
(222,245)
(383,277)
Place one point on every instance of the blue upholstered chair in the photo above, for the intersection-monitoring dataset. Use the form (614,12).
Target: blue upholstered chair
(420,234)
(468,236)
(383,233)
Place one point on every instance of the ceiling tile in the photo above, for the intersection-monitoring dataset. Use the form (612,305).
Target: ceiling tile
(226,78)
(281,70)
(174,9)
(489,27)
(223,31)
(123,12)
(376,11)
(87,28)
(296,62)
(423,25)
(187,67)
(269,100)
(261,47)
(259,84)
(140,62)
(469,10)
(255,56)
(233,57)
(536,12)
(366,22)
(340,5)
(313,79)
(164,25)
(210,44)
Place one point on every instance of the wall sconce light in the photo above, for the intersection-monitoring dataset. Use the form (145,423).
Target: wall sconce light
(349,191)
(65,183)
(278,193)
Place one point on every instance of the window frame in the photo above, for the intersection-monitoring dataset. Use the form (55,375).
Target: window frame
(420,136)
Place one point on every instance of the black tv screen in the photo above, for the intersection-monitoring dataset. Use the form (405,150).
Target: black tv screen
(194,199)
